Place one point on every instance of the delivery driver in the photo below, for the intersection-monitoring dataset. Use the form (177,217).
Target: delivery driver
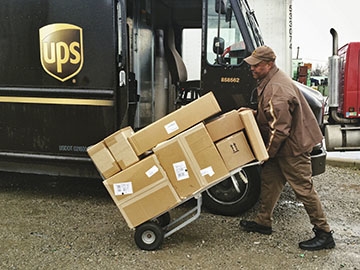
(290,131)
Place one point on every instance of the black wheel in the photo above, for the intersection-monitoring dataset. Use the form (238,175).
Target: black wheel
(149,236)
(163,220)
(225,200)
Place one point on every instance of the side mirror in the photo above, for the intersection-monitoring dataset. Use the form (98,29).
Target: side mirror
(220,7)
(218,45)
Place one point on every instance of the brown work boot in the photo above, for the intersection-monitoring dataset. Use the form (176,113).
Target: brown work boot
(252,226)
(322,240)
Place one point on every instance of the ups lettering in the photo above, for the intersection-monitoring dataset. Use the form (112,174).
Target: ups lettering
(61,53)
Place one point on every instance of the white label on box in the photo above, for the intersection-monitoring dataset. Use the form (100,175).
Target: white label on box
(180,170)
(150,172)
(171,127)
(207,171)
(123,188)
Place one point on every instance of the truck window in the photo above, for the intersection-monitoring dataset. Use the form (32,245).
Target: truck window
(191,52)
(225,44)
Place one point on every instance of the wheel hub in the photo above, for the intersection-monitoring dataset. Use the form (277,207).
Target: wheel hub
(148,237)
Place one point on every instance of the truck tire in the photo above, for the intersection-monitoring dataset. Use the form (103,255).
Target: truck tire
(225,200)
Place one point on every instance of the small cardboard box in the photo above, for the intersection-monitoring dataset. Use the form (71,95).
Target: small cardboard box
(135,178)
(235,151)
(174,123)
(103,160)
(191,161)
(149,204)
(224,125)
(120,147)
(254,136)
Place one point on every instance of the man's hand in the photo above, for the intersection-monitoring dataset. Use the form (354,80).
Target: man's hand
(246,108)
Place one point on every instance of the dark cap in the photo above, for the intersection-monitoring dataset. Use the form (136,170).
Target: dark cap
(263,53)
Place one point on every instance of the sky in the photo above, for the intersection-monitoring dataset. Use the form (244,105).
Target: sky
(312,21)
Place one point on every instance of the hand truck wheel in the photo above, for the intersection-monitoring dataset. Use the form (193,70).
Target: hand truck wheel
(149,236)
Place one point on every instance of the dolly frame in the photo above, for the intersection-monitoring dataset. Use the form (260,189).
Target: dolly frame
(150,234)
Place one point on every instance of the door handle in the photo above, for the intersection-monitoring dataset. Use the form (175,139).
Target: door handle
(122,78)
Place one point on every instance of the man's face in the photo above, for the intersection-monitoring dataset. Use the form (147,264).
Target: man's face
(260,70)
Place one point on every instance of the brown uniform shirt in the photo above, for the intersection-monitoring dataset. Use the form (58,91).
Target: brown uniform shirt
(286,122)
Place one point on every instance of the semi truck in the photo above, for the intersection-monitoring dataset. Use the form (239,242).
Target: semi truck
(342,129)
(73,71)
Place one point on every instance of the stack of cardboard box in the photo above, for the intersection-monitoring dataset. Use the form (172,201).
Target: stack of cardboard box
(150,171)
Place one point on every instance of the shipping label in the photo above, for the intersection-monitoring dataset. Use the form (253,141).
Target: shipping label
(207,171)
(154,169)
(171,127)
(180,170)
(123,188)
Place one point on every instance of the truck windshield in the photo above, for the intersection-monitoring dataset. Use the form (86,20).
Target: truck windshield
(232,32)
(251,22)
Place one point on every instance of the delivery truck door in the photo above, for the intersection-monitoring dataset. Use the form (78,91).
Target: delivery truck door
(127,86)
(229,38)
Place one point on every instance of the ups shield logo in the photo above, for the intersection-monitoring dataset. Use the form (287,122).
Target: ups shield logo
(61,50)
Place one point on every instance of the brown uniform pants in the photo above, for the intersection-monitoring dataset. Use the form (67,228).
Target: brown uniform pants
(297,172)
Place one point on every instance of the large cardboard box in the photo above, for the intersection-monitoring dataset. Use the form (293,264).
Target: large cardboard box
(235,151)
(191,161)
(254,135)
(132,180)
(150,203)
(174,123)
(103,160)
(142,191)
(120,147)
(224,125)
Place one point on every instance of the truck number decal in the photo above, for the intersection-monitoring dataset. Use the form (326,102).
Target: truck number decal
(61,50)
(230,80)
